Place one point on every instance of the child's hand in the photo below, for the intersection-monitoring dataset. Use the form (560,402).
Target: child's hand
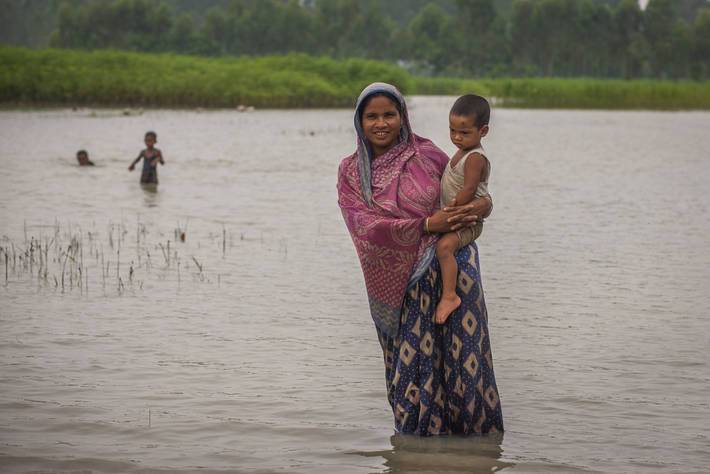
(131,168)
(451,205)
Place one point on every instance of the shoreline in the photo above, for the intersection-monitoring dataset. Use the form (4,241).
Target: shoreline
(129,110)
(54,78)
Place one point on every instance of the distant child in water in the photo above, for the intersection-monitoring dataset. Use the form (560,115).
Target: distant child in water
(151,157)
(82,156)
(464,178)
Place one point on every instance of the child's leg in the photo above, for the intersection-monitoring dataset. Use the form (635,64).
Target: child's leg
(149,176)
(445,249)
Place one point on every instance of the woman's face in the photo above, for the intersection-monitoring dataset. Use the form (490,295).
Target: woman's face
(381,123)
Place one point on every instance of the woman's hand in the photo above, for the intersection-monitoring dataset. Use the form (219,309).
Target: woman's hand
(481,206)
(454,217)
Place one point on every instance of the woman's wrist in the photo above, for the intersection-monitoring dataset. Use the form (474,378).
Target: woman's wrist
(432,224)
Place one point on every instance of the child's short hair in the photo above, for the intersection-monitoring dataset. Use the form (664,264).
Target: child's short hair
(151,134)
(81,152)
(472,105)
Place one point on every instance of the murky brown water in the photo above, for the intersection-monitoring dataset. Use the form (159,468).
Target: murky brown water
(596,263)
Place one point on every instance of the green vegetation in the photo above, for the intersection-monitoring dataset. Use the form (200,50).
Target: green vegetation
(112,78)
(578,93)
(669,39)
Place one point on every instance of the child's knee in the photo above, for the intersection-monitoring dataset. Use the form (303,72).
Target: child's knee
(445,247)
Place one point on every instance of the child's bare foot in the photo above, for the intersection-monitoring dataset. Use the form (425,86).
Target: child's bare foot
(446,306)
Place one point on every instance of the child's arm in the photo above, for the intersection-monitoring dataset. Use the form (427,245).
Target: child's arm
(133,165)
(472,171)
(157,158)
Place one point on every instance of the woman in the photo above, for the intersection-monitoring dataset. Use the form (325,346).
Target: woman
(439,377)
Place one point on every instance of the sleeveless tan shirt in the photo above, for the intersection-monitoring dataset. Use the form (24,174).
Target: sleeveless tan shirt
(452,179)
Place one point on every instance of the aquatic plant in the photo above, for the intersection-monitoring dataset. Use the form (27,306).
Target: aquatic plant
(63,259)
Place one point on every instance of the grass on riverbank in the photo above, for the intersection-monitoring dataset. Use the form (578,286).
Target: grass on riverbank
(578,93)
(112,78)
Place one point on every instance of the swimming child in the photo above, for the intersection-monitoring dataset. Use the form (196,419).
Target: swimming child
(82,156)
(151,157)
(464,178)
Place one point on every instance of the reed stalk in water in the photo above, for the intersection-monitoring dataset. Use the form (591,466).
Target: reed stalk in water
(70,270)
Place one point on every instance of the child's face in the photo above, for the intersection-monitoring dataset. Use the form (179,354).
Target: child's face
(150,141)
(82,157)
(464,133)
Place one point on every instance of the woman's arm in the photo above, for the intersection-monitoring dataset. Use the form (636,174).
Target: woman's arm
(482,206)
(453,217)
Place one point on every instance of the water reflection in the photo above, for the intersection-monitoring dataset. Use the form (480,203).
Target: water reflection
(150,194)
(567,305)
(442,454)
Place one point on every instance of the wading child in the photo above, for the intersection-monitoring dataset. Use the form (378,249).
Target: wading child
(82,156)
(151,157)
(465,178)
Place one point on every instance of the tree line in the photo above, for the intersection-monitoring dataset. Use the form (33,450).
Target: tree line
(469,38)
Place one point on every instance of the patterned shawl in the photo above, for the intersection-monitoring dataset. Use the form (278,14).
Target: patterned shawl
(384,202)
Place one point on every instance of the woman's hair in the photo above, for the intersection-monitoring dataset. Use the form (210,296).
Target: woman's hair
(378,94)
(151,134)
(474,106)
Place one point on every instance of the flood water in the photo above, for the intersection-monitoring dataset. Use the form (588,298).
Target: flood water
(249,347)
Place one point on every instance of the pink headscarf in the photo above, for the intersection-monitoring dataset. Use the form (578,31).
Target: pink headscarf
(384,202)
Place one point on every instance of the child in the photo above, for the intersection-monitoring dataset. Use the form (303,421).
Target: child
(151,157)
(82,156)
(464,178)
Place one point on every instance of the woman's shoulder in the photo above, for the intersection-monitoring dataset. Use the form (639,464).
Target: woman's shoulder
(348,161)
(348,167)
(430,153)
